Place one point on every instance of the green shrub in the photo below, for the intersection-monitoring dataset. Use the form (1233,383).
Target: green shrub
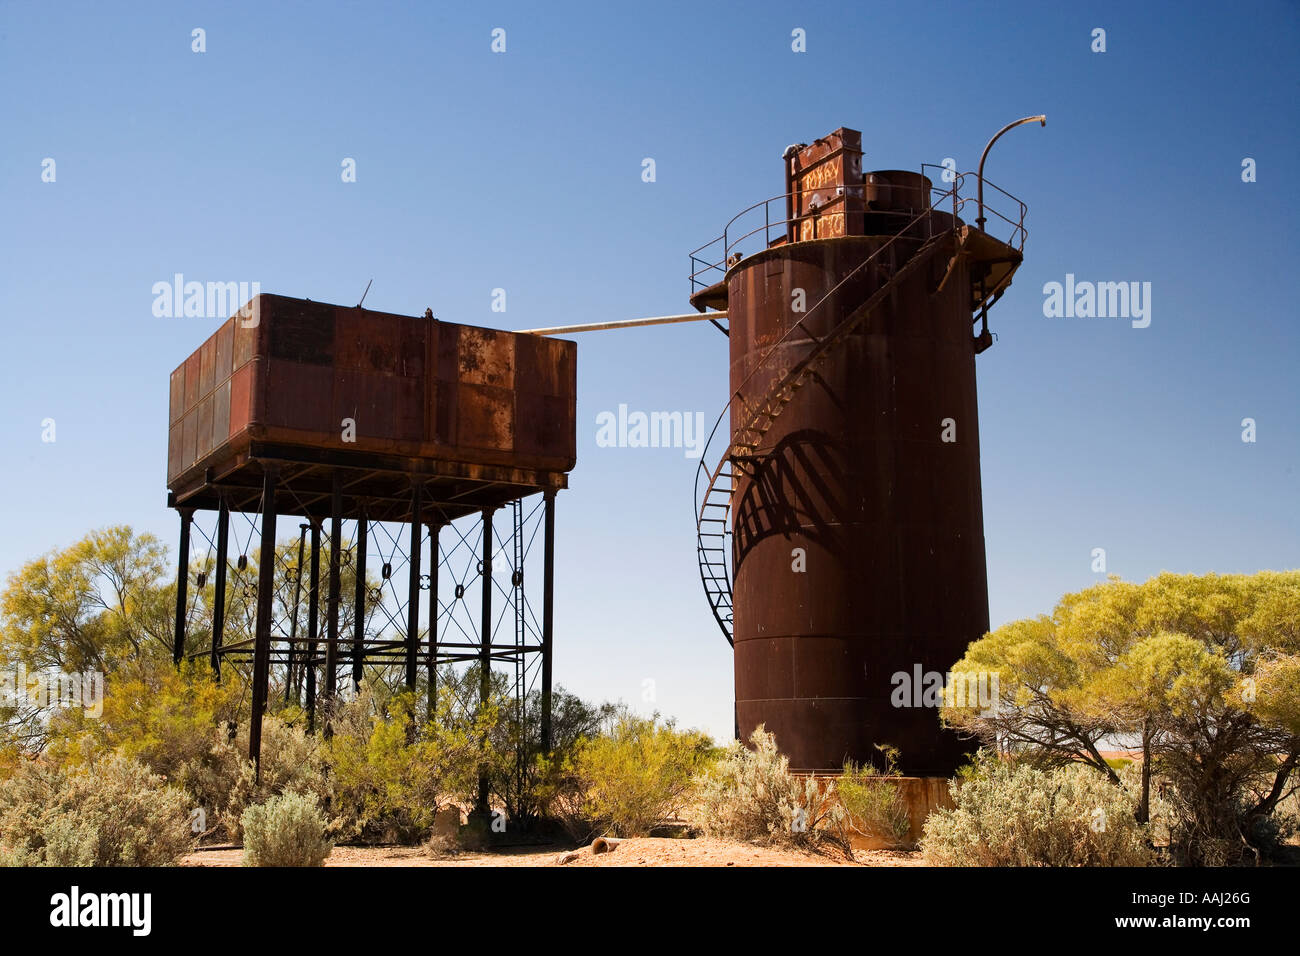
(110,811)
(525,778)
(389,774)
(1015,815)
(750,794)
(287,830)
(635,773)
(875,805)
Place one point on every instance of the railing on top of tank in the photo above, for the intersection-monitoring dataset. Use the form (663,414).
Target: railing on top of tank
(706,271)
(1016,233)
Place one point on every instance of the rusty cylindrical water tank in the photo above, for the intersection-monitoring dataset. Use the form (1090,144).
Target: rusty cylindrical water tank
(856,476)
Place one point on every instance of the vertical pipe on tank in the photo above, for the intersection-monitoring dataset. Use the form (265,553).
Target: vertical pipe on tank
(313,623)
(262,639)
(182,583)
(219,586)
(413,588)
(791,157)
(359,603)
(548,614)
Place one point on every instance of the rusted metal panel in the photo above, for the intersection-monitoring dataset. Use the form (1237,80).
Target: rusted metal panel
(225,352)
(897,190)
(409,410)
(176,401)
(174,454)
(290,404)
(190,437)
(486,417)
(203,436)
(221,414)
(487,357)
(542,366)
(301,334)
(363,398)
(413,387)
(241,400)
(367,342)
(540,424)
(207,366)
(245,339)
(827,183)
(192,376)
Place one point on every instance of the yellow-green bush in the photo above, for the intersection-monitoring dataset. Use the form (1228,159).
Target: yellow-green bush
(185,726)
(640,771)
(624,780)
(390,772)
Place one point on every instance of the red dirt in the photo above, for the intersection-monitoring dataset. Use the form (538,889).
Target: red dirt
(643,851)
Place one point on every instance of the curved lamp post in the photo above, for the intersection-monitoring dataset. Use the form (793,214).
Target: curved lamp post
(1042,120)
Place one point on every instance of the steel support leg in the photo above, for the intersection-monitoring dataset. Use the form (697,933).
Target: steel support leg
(548,614)
(433,619)
(336,587)
(359,605)
(262,641)
(313,624)
(182,585)
(413,589)
(485,649)
(290,656)
(219,587)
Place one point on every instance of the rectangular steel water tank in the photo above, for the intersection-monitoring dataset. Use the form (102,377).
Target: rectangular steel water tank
(301,372)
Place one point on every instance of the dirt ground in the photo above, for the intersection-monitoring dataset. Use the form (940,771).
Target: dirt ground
(646,851)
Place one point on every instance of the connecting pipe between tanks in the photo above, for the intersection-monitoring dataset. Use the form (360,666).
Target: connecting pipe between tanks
(628,323)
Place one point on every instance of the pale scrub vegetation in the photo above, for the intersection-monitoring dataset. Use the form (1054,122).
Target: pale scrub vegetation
(1201,674)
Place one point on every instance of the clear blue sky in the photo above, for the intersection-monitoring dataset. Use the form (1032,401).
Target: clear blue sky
(523,171)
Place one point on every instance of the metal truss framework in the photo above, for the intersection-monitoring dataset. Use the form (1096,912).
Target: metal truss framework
(475,606)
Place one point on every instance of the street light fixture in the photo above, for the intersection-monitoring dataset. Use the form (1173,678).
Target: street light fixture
(1042,120)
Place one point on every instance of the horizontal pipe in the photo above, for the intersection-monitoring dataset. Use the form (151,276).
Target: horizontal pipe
(627,323)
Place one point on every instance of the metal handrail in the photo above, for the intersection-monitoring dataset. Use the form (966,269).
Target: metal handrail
(702,265)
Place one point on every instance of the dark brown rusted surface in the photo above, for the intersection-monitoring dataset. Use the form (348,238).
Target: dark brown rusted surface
(890,517)
(855,472)
(827,187)
(481,415)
